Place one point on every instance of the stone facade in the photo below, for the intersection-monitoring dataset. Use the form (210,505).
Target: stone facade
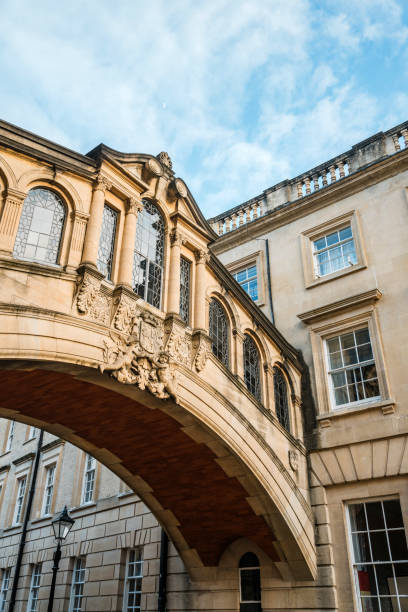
(358,450)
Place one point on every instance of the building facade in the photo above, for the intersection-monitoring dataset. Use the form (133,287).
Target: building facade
(325,256)
(111,558)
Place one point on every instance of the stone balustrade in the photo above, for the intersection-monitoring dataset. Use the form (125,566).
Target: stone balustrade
(376,148)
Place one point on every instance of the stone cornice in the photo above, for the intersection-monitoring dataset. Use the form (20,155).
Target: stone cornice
(23,459)
(52,444)
(366,298)
(286,213)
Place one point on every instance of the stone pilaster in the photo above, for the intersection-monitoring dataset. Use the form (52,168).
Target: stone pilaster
(10,219)
(200,286)
(79,220)
(134,206)
(173,300)
(93,230)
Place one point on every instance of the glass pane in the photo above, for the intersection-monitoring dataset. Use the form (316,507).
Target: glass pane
(42,220)
(362,336)
(366,580)
(339,379)
(361,547)
(347,340)
(345,233)
(333,345)
(341,396)
(241,276)
(393,516)
(371,388)
(252,272)
(379,546)
(332,238)
(350,356)
(370,604)
(357,517)
(375,515)
(319,244)
(369,371)
(398,545)
(336,361)
(401,575)
(365,352)
(385,578)
(389,604)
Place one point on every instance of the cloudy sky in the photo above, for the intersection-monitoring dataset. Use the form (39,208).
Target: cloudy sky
(241,93)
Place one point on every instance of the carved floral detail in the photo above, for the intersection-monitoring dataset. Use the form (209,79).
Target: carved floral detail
(91,302)
(125,316)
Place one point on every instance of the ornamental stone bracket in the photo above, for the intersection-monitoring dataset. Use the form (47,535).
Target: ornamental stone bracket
(201,350)
(178,341)
(90,299)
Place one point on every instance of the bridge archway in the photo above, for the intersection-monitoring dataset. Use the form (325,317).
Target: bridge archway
(203,494)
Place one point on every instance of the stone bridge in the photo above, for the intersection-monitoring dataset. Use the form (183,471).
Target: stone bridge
(121,333)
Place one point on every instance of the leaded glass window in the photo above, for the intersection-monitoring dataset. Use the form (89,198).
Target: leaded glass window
(40,228)
(219,332)
(281,398)
(185,268)
(149,254)
(249,583)
(252,373)
(107,241)
(133,583)
(379,555)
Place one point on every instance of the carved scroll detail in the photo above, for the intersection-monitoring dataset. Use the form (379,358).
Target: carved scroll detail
(179,347)
(200,358)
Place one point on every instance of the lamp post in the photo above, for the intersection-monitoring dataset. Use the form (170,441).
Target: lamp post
(62,525)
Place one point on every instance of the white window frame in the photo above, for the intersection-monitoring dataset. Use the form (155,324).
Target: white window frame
(133,577)
(329,371)
(89,472)
(32,603)
(5,582)
(248,601)
(77,584)
(308,237)
(10,436)
(50,472)
(257,259)
(20,496)
(351,557)
(32,432)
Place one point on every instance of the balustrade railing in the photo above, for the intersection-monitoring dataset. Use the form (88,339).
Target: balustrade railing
(373,149)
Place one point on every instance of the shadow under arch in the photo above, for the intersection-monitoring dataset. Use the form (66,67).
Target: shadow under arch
(158,448)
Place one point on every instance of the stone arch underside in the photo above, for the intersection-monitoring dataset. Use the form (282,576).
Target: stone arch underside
(179,476)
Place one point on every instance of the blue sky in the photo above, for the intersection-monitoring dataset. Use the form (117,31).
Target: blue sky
(242,94)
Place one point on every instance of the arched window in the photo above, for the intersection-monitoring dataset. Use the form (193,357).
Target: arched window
(40,228)
(249,584)
(252,374)
(219,332)
(148,254)
(281,398)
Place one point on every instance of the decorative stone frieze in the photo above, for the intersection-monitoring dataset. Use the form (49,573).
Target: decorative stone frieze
(90,300)
(126,312)
(293,460)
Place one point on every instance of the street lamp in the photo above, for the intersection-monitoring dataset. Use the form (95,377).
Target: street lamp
(62,525)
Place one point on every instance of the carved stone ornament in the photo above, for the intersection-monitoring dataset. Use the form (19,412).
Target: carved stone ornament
(293,460)
(180,187)
(125,316)
(102,183)
(130,363)
(154,167)
(90,301)
(179,347)
(200,358)
(164,158)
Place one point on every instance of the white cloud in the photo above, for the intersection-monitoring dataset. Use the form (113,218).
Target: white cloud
(242,93)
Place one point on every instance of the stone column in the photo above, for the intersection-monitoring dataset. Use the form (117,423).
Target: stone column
(134,206)
(200,286)
(10,219)
(238,349)
(173,299)
(93,230)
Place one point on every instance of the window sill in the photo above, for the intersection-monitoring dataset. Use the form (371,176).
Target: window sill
(340,273)
(84,506)
(386,406)
(29,440)
(16,526)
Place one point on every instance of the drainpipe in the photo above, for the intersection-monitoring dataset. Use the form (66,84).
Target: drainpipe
(268,272)
(164,547)
(25,523)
